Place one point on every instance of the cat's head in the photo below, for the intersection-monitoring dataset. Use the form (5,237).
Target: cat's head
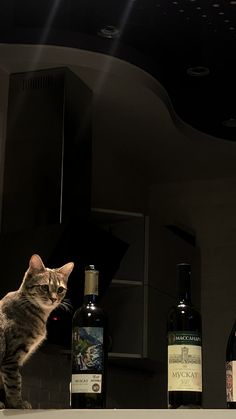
(44,286)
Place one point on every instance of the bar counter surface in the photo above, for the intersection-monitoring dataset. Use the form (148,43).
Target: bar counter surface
(119,414)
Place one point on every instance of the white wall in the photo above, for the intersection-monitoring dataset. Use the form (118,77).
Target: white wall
(207,207)
(118,181)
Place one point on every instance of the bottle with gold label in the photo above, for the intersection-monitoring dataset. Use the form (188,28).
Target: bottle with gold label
(89,349)
(184,348)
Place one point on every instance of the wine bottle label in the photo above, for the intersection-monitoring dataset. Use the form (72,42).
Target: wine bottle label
(87,359)
(231,381)
(184,361)
(86,383)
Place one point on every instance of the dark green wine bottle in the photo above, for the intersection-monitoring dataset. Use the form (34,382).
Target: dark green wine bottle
(231,369)
(89,349)
(184,348)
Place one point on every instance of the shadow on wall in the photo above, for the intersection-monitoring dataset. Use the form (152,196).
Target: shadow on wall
(46,379)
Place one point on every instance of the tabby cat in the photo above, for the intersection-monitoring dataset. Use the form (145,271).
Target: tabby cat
(23,317)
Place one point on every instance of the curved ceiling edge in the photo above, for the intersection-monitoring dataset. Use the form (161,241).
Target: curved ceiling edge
(14,57)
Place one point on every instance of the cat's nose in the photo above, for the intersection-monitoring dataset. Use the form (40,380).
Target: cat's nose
(53,300)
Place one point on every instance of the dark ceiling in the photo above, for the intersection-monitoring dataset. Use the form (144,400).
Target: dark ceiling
(166,38)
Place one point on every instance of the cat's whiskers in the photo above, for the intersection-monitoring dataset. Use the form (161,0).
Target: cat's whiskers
(66,305)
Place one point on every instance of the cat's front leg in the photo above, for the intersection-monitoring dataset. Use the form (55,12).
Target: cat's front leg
(12,384)
(2,394)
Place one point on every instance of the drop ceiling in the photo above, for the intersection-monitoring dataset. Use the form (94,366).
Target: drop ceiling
(164,37)
(135,127)
(165,81)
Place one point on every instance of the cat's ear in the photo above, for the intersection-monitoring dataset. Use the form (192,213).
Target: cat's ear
(36,264)
(66,269)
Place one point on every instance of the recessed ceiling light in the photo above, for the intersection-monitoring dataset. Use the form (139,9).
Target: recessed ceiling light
(198,71)
(109,32)
(230,123)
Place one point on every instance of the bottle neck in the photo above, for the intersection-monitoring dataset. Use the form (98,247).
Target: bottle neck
(90,299)
(91,285)
(184,282)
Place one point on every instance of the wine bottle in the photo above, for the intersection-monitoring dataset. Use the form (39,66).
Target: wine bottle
(89,348)
(184,347)
(231,369)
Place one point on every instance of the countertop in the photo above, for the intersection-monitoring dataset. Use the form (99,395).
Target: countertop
(120,414)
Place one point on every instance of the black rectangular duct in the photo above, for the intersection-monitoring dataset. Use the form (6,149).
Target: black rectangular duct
(47,169)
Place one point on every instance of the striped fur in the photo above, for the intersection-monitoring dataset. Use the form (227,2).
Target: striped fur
(23,317)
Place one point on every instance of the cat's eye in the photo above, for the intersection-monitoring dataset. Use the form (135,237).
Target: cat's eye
(60,290)
(44,288)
